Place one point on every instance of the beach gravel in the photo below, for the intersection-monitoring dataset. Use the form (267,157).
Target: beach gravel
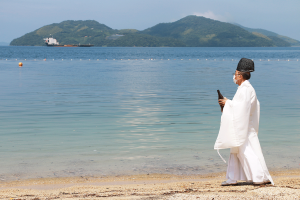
(151,187)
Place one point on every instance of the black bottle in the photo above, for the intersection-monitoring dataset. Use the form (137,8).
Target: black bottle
(220,96)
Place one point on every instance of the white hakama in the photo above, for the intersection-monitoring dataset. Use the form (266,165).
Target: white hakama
(245,165)
(238,131)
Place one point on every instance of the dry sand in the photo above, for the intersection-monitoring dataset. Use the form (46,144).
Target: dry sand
(150,187)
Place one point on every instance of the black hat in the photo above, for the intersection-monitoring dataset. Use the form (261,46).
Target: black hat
(245,65)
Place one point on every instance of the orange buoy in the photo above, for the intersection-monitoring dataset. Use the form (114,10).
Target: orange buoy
(20,64)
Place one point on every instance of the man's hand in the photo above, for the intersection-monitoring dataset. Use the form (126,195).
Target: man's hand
(222,101)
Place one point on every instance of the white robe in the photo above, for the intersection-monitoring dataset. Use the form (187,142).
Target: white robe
(238,131)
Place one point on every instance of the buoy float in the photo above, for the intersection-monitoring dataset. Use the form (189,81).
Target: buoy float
(20,64)
(45,59)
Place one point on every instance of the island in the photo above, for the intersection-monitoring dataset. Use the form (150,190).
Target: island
(190,31)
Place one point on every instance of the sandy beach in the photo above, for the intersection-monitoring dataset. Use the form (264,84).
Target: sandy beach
(151,186)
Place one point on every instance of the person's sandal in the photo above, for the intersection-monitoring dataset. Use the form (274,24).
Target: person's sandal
(225,183)
(262,183)
(258,183)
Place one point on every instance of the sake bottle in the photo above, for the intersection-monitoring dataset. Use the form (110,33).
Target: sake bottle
(220,96)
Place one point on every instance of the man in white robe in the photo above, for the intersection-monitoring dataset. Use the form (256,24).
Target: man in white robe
(239,129)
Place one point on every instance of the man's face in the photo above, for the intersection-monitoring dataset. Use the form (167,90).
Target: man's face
(237,76)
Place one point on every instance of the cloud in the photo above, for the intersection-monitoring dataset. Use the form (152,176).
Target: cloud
(209,14)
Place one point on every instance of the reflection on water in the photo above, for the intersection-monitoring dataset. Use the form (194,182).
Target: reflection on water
(125,117)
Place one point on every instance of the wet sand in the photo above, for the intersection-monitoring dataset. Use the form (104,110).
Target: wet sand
(151,186)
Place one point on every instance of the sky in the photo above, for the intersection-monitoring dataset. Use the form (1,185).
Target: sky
(18,17)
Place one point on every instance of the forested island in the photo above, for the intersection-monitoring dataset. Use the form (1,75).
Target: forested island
(190,31)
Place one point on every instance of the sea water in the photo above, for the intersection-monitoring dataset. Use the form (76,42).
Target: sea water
(113,111)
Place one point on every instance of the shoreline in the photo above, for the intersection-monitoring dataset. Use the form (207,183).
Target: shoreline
(156,186)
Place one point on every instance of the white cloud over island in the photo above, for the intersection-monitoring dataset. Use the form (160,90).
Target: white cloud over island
(209,14)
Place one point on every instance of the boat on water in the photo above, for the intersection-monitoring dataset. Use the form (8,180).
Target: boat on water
(52,42)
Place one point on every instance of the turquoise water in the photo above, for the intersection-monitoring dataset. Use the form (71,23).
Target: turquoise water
(154,113)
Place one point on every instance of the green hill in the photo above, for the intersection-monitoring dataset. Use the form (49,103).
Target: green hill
(283,39)
(143,40)
(201,31)
(191,31)
(67,32)
(92,32)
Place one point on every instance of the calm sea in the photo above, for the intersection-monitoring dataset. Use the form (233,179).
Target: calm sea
(107,111)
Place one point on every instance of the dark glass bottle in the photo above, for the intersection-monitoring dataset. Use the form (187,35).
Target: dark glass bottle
(220,96)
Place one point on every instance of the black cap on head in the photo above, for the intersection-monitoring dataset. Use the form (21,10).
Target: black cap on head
(245,65)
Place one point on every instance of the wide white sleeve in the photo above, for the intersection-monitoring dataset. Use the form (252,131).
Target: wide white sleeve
(235,120)
(255,112)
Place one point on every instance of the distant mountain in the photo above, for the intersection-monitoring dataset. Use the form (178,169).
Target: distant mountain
(67,32)
(203,32)
(191,31)
(4,44)
(92,32)
(144,40)
(267,33)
